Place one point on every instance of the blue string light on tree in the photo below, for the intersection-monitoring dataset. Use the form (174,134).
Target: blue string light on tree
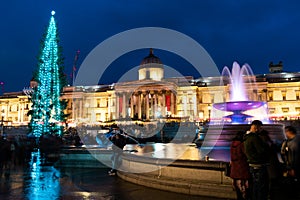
(47,114)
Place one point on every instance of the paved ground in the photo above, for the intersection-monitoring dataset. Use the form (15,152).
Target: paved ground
(38,181)
(47,182)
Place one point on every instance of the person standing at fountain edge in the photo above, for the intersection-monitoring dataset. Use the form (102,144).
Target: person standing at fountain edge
(239,172)
(257,156)
(119,142)
(290,152)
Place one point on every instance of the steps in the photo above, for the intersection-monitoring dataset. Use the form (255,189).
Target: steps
(184,186)
(182,176)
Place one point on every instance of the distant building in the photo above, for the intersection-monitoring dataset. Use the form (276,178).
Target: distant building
(14,108)
(153,97)
(276,68)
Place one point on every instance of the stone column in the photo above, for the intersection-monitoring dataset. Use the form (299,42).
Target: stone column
(117,106)
(163,112)
(155,104)
(108,108)
(147,105)
(185,105)
(139,98)
(19,112)
(195,105)
(73,109)
(124,105)
(22,111)
(152,106)
(80,108)
(131,105)
(173,103)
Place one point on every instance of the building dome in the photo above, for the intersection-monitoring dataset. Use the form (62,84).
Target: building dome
(151,58)
(151,68)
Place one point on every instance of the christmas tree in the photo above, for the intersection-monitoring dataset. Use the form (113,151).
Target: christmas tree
(47,113)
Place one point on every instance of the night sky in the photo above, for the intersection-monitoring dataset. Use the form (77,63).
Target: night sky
(253,32)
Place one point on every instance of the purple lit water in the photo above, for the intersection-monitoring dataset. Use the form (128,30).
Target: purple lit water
(238,105)
(239,102)
(236,78)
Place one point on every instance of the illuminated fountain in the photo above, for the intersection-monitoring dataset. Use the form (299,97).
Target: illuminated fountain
(223,127)
(238,103)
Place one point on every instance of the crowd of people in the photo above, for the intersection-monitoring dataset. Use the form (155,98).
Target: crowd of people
(256,167)
(257,163)
(14,152)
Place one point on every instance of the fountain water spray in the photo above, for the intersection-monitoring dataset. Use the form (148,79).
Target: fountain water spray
(239,102)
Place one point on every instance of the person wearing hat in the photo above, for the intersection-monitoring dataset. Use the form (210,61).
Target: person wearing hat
(256,151)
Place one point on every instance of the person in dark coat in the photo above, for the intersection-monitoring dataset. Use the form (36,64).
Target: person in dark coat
(119,142)
(2,155)
(290,151)
(5,154)
(239,172)
(257,152)
(274,167)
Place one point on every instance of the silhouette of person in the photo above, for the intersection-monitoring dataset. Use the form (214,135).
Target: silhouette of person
(257,156)
(290,151)
(239,172)
(119,141)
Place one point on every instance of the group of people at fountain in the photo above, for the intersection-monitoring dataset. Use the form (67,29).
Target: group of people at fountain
(256,167)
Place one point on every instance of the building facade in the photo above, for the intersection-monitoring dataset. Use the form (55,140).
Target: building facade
(153,97)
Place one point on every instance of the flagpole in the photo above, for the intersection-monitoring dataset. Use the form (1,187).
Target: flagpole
(74,66)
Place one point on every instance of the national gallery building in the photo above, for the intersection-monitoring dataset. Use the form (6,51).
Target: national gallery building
(154,97)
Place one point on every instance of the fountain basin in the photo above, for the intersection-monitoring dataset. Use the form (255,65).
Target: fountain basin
(193,177)
(235,106)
